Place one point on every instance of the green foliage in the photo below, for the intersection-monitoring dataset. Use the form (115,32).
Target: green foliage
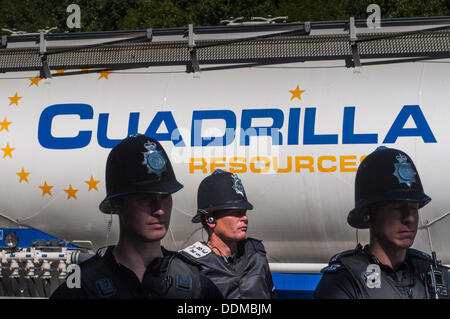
(312,10)
(419,8)
(103,15)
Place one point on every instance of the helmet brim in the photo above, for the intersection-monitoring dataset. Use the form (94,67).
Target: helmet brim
(355,217)
(233,205)
(147,187)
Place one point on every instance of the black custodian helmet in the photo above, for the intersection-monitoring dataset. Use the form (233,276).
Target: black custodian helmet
(138,164)
(220,191)
(386,174)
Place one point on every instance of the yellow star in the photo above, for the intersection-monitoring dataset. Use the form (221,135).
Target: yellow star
(4,125)
(35,80)
(46,189)
(60,71)
(14,99)
(296,93)
(92,183)
(23,176)
(71,192)
(104,74)
(8,151)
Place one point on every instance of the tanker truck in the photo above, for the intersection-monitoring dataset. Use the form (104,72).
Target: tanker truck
(292,108)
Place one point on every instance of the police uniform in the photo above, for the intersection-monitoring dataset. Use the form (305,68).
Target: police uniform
(137,165)
(169,277)
(246,274)
(347,277)
(385,175)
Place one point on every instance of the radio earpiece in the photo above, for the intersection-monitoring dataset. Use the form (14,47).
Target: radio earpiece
(211,220)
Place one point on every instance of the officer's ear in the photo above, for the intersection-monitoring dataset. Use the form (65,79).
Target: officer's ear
(116,205)
(210,221)
(369,216)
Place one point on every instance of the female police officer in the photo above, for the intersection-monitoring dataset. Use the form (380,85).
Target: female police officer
(139,184)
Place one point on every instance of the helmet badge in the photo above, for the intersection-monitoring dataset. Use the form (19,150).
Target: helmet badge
(237,185)
(153,159)
(404,171)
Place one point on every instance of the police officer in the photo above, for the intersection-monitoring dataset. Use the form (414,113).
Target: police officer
(388,196)
(236,264)
(139,184)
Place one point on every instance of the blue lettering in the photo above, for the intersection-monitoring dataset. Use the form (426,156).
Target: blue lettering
(172,128)
(196,131)
(422,128)
(102,132)
(293,127)
(309,137)
(348,128)
(45,136)
(273,131)
(47,139)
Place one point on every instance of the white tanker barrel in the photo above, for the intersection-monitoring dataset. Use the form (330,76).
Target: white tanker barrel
(294,132)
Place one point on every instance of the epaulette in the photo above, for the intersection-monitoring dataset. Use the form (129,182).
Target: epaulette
(94,261)
(358,250)
(424,256)
(257,244)
(419,254)
(337,257)
(332,268)
(186,259)
(334,263)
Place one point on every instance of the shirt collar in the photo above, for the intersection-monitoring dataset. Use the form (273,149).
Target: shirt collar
(404,265)
(109,258)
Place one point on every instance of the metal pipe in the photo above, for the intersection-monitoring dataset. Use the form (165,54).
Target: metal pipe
(31,286)
(428,224)
(36,256)
(62,269)
(79,257)
(46,286)
(15,285)
(46,270)
(311,268)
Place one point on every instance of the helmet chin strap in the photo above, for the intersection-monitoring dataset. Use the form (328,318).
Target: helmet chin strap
(108,228)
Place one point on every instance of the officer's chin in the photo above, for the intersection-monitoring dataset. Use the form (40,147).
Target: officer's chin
(156,235)
(242,235)
(405,242)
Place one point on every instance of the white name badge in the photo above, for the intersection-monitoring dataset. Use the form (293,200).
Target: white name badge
(197,250)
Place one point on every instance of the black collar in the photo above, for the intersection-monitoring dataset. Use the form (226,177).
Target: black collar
(153,266)
(404,265)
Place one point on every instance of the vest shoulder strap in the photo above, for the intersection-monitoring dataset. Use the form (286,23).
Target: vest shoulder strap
(97,279)
(184,277)
(337,258)
(257,244)
(332,268)
(418,254)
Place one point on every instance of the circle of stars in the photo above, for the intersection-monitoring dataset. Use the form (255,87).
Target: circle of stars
(23,174)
